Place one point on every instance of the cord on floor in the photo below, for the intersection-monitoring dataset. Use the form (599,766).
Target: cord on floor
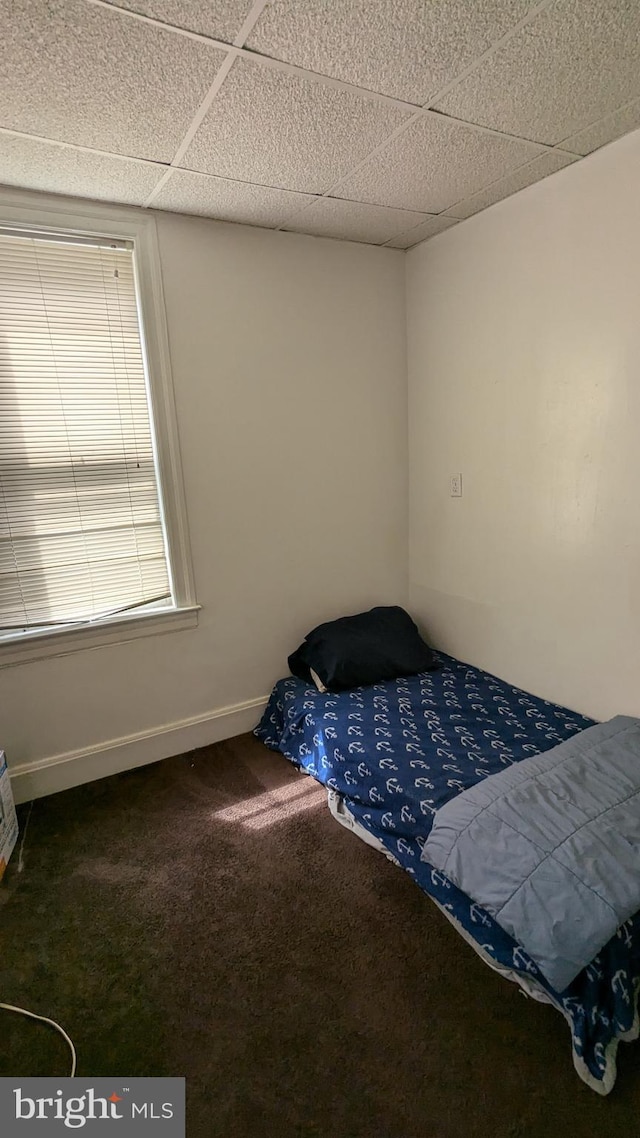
(52,1023)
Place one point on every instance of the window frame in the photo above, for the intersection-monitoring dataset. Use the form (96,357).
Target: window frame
(88,219)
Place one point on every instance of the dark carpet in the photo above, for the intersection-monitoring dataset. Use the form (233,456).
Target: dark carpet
(205,916)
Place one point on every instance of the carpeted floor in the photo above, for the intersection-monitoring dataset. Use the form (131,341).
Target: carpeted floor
(205,916)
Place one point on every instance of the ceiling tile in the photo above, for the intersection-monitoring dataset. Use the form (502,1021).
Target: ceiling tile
(421,232)
(576,61)
(352,221)
(220,19)
(227,200)
(433,164)
(57,169)
(273,128)
(405,48)
(549,163)
(605,130)
(79,73)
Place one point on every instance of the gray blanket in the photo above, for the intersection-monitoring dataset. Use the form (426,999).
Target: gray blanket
(551,846)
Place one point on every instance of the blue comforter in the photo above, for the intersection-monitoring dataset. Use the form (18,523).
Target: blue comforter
(398,751)
(551,846)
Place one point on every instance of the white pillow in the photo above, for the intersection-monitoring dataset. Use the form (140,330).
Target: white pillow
(317,681)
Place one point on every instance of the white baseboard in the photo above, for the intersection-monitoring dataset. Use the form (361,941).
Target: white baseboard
(59,772)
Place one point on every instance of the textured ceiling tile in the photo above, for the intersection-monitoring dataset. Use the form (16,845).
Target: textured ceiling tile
(433,164)
(220,19)
(549,163)
(606,130)
(56,169)
(422,232)
(576,61)
(352,221)
(269,127)
(228,201)
(405,48)
(78,73)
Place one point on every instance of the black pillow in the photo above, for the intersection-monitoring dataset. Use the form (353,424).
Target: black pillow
(364,649)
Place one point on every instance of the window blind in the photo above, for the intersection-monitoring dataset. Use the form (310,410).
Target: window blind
(81,531)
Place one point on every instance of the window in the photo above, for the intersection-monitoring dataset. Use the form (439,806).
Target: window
(84,539)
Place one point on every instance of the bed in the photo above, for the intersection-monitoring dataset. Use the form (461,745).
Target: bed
(390,755)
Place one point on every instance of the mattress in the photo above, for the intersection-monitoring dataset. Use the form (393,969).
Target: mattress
(340,811)
(397,751)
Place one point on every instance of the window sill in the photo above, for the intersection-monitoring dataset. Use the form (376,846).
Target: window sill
(114,630)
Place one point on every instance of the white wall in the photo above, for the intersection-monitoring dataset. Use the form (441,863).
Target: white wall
(524,374)
(289,368)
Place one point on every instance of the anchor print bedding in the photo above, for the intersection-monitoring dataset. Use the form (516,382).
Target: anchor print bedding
(399,750)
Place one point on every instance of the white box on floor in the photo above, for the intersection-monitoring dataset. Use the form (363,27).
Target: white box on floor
(8,819)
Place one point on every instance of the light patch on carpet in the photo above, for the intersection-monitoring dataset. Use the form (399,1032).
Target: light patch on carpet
(274,805)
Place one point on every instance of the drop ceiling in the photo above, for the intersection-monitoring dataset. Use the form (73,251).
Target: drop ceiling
(382,121)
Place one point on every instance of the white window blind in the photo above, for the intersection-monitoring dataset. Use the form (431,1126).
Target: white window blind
(81,530)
